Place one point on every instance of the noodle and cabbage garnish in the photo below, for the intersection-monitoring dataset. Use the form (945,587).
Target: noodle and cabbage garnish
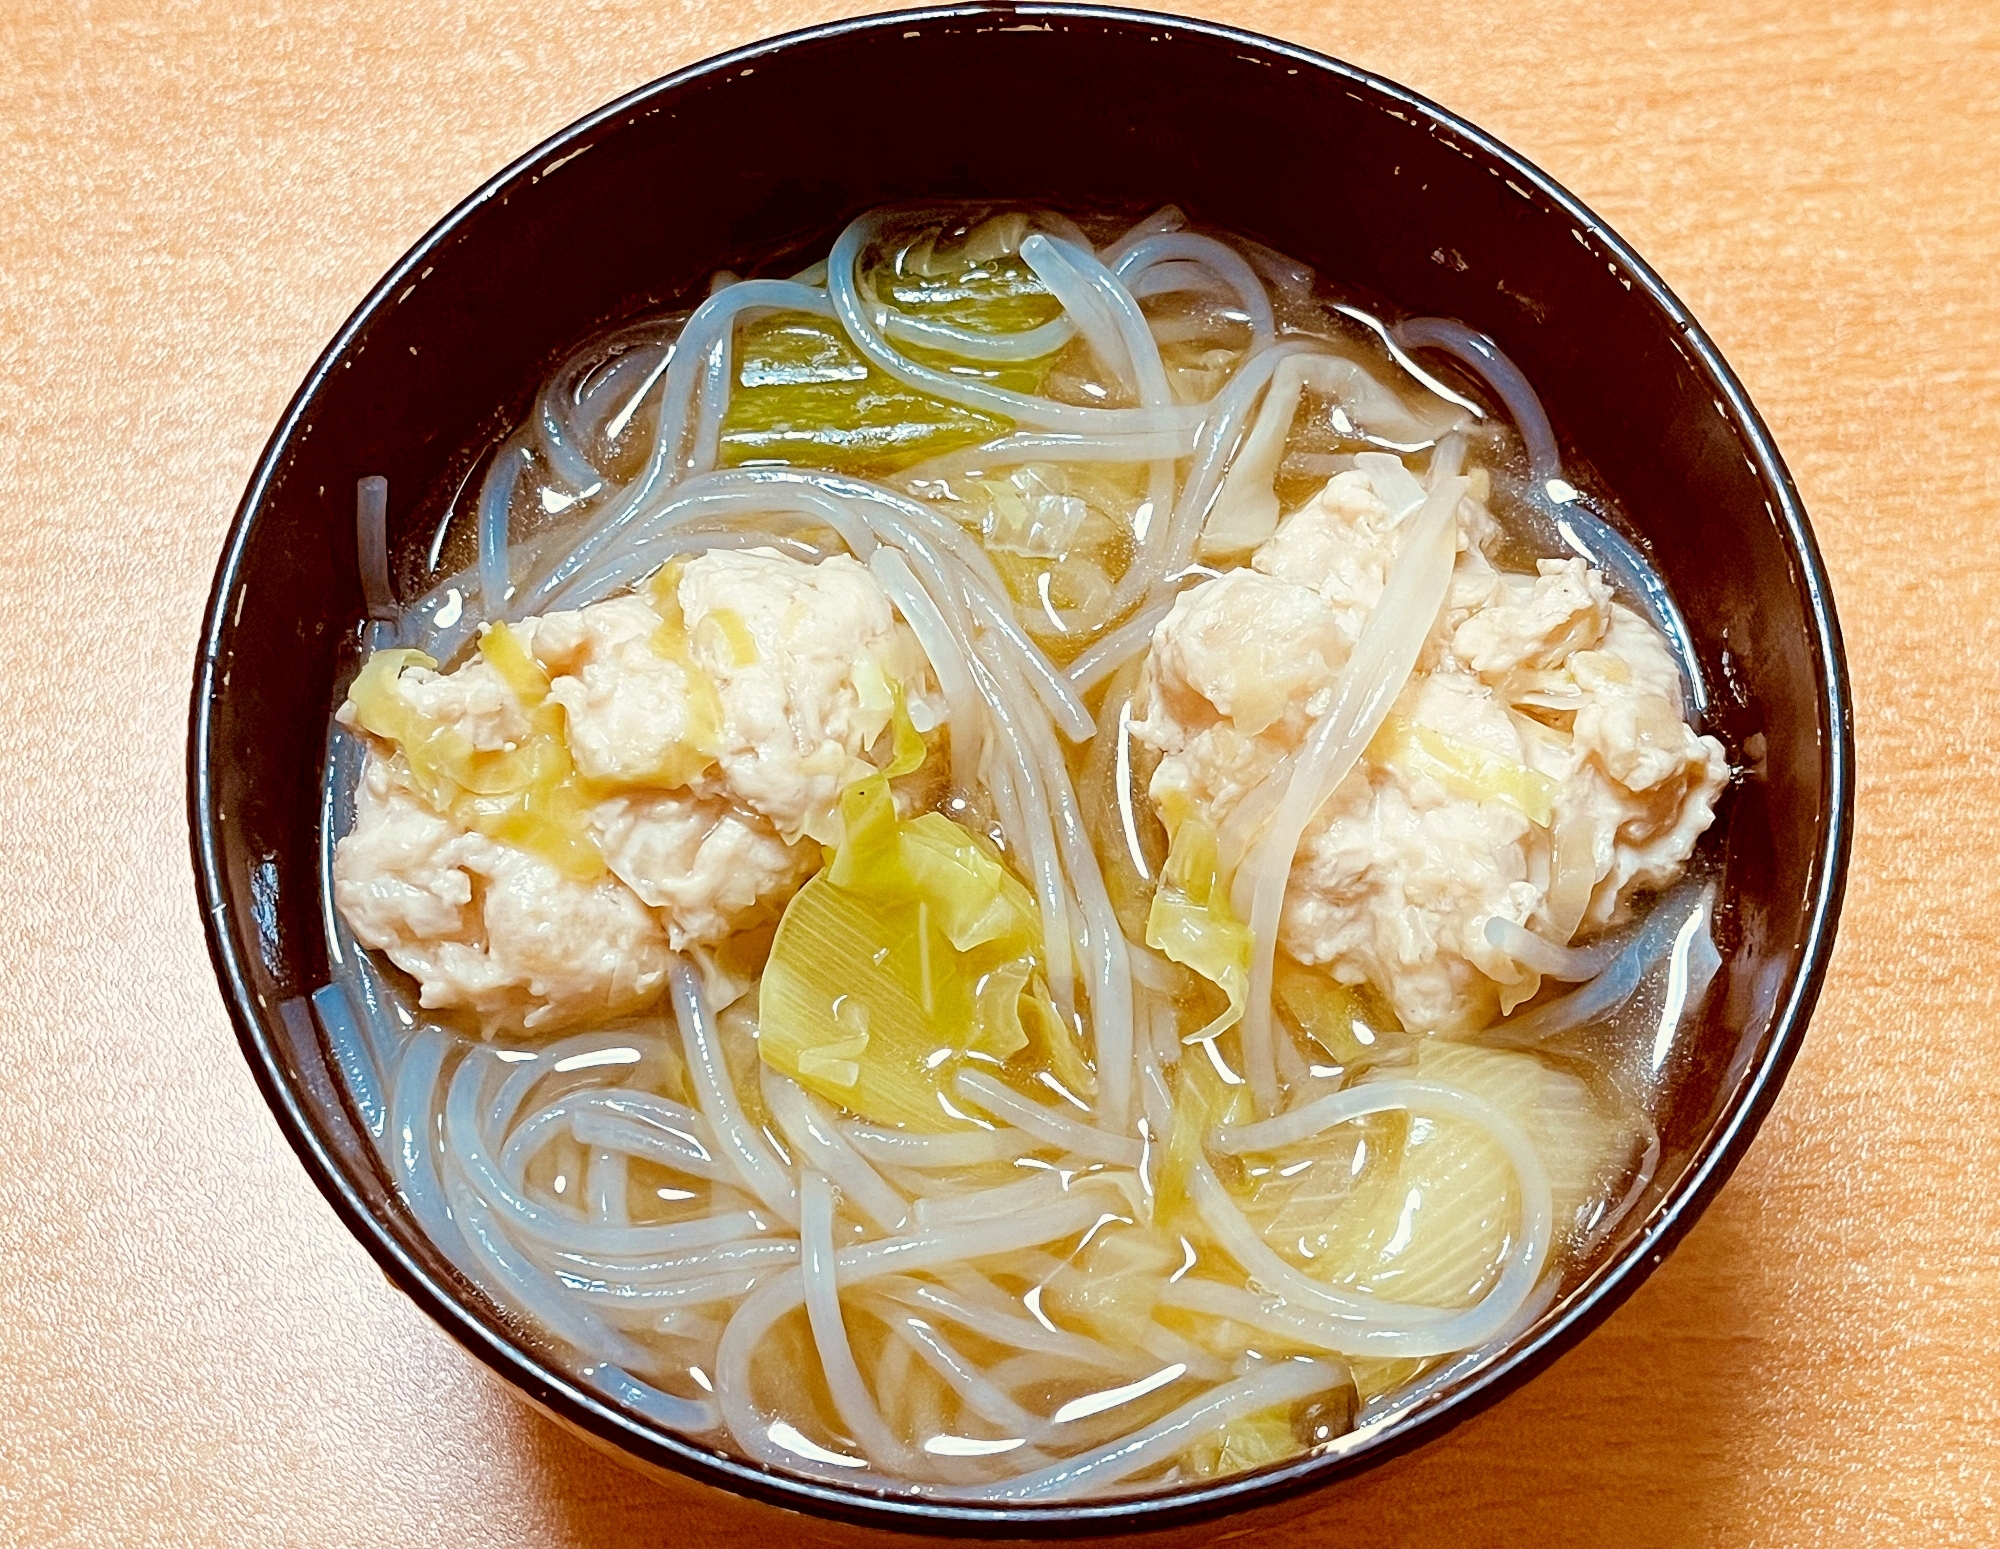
(1043,862)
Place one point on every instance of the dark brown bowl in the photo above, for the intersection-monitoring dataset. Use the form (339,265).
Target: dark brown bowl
(776,146)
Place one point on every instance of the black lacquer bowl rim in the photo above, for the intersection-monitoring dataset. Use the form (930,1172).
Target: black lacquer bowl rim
(1609,1286)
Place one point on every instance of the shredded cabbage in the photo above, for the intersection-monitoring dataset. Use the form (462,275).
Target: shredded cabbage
(1112,1284)
(914,948)
(1061,536)
(1463,769)
(703,739)
(735,633)
(906,751)
(528,796)
(1058,1037)
(1031,513)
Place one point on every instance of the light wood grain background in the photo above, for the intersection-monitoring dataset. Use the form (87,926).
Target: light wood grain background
(193,194)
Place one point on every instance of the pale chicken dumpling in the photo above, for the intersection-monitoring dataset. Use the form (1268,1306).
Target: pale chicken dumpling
(487,928)
(706,728)
(1536,768)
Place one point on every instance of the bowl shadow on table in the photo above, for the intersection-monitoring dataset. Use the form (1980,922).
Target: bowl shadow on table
(1627,1440)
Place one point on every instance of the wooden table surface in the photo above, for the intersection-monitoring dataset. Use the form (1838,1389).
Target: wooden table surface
(196,192)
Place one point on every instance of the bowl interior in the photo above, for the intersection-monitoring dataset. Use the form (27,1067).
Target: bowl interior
(739,162)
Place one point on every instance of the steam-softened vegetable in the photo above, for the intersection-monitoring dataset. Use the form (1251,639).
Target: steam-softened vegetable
(528,795)
(914,948)
(1421,1209)
(1349,1022)
(1192,923)
(805,395)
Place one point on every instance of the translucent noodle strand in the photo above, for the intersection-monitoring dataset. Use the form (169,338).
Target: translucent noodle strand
(745,1147)
(1381,663)
(859,318)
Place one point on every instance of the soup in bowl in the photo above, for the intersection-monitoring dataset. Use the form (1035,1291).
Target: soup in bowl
(1005,829)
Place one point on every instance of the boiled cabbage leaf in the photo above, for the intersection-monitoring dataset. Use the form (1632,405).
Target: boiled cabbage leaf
(1192,923)
(1421,1208)
(980,283)
(804,395)
(1350,1022)
(912,949)
(1201,1102)
(1252,1441)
